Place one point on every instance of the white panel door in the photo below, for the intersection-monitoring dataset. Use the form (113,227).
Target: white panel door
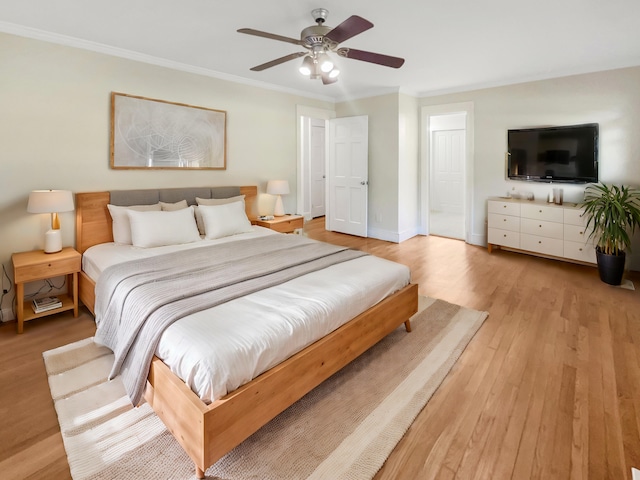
(348,171)
(317,167)
(448,171)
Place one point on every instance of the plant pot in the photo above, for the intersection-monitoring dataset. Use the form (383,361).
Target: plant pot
(610,267)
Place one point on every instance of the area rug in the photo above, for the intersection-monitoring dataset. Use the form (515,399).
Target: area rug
(343,429)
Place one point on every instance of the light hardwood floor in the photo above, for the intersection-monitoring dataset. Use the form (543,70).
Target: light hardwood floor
(549,388)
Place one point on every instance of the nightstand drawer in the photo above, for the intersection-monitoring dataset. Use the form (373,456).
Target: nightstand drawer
(284,224)
(288,225)
(48,269)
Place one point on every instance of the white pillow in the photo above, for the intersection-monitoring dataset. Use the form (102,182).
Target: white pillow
(213,201)
(224,220)
(156,229)
(170,207)
(219,201)
(120,226)
(199,220)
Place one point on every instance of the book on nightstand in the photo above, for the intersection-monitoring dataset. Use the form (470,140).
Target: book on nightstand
(47,303)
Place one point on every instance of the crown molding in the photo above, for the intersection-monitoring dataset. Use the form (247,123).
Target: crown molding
(73,42)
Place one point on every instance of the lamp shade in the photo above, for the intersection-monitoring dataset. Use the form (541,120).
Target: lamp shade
(50,201)
(278,187)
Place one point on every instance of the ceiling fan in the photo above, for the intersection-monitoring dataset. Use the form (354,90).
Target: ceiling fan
(319,40)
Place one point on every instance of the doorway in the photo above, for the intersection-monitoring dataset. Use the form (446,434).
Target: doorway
(312,144)
(446,184)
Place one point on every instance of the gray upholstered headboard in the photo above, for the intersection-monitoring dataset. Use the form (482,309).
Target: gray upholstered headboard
(170,195)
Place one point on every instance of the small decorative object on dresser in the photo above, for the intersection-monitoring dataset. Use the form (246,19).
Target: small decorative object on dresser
(38,265)
(612,215)
(283,224)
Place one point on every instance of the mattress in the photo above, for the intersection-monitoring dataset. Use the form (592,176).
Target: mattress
(217,350)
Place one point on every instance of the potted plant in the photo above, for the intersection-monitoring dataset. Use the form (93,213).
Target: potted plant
(613,213)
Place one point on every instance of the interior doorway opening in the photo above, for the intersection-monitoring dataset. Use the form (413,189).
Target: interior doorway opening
(446,183)
(311,197)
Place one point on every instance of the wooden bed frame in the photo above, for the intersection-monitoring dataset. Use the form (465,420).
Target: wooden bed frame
(207,432)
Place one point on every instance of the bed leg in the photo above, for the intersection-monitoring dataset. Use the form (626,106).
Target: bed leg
(407,325)
(199,472)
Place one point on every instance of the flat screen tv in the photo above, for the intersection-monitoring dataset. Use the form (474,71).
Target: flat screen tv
(554,154)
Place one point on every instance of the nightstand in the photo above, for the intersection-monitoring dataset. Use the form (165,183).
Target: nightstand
(284,224)
(37,265)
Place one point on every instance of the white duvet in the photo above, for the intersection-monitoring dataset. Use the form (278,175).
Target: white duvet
(217,350)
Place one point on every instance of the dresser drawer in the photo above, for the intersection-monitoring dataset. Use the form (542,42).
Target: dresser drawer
(542,212)
(504,208)
(576,233)
(505,238)
(580,251)
(504,222)
(541,228)
(574,216)
(547,246)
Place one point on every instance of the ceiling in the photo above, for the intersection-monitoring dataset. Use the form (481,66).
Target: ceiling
(449,46)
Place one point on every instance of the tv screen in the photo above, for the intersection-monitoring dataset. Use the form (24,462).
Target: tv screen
(554,154)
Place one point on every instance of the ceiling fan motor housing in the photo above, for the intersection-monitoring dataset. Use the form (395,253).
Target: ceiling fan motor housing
(314,35)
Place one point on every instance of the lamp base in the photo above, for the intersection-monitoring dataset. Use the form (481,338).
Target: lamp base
(278,211)
(52,241)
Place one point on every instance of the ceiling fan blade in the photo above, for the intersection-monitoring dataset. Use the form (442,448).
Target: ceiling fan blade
(277,61)
(272,36)
(351,27)
(380,59)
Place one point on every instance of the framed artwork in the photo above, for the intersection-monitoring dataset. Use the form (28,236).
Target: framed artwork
(155,134)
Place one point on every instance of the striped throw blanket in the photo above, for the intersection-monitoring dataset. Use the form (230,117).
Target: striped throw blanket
(137,300)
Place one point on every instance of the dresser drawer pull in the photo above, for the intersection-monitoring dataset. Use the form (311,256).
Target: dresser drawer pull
(580,249)
(540,226)
(539,241)
(505,235)
(540,211)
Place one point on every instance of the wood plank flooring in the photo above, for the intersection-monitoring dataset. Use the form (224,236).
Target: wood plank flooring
(549,388)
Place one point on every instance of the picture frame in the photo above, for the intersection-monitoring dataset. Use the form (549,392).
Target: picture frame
(148,133)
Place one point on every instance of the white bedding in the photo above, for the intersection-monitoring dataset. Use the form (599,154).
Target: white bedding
(220,349)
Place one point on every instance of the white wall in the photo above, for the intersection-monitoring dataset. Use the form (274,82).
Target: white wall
(408,163)
(383,161)
(54,132)
(610,98)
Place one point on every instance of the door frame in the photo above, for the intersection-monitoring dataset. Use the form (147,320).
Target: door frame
(425,162)
(302,189)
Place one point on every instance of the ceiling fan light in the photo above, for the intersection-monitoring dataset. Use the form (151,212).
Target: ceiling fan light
(307,66)
(326,65)
(334,73)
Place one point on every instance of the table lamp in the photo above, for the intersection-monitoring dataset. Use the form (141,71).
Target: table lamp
(278,187)
(51,201)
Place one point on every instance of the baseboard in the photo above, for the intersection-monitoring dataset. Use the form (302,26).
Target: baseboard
(382,234)
(7,315)
(479,240)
